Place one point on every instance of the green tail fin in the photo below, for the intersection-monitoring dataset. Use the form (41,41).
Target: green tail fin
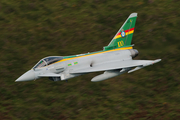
(124,36)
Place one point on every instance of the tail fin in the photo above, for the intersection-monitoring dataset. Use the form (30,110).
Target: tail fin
(124,36)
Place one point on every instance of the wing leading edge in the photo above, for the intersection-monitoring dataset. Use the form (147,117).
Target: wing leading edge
(118,65)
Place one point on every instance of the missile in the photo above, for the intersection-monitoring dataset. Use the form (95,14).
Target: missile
(137,68)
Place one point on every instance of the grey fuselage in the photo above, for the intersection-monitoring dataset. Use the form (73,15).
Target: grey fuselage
(86,61)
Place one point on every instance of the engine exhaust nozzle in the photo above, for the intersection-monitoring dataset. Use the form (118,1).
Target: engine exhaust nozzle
(134,52)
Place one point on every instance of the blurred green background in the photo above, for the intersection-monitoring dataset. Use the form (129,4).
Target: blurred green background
(33,29)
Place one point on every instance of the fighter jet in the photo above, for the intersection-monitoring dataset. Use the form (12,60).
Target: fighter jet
(115,59)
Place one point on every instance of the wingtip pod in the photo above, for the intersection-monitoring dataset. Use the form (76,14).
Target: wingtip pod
(156,61)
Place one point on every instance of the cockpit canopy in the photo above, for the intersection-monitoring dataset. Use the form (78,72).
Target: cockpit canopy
(47,61)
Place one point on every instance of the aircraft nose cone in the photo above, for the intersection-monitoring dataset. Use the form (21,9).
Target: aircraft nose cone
(29,75)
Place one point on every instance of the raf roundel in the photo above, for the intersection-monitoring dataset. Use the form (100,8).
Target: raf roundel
(123,34)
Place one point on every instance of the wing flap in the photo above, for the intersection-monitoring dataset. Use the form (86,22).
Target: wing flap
(116,65)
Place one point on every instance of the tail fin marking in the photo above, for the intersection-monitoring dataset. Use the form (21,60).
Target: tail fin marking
(124,35)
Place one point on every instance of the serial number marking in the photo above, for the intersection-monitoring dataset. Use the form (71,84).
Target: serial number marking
(120,43)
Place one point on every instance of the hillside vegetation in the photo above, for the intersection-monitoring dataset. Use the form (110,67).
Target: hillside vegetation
(33,29)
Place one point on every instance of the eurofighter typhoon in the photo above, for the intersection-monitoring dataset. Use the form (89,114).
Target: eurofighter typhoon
(115,59)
